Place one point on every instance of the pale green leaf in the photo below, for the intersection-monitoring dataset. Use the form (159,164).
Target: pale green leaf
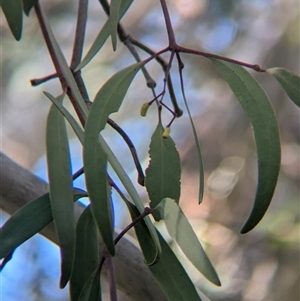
(13,11)
(182,232)
(114,20)
(289,81)
(263,120)
(86,254)
(164,170)
(102,36)
(108,100)
(28,221)
(60,189)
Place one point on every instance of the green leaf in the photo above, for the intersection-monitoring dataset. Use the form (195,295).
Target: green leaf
(163,173)
(172,277)
(28,221)
(107,101)
(200,161)
(75,126)
(289,81)
(13,12)
(102,36)
(182,232)
(86,257)
(92,288)
(262,117)
(27,5)
(114,20)
(60,189)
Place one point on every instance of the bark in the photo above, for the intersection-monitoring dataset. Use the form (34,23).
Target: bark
(19,186)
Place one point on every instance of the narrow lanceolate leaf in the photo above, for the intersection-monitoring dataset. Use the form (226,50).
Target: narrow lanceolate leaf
(262,117)
(163,173)
(28,221)
(27,5)
(107,101)
(13,11)
(114,20)
(200,161)
(181,231)
(73,123)
(290,83)
(92,288)
(60,189)
(86,255)
(172,277)
(102,36)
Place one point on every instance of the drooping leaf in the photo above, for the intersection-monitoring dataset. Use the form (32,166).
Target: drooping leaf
(92,289)
(262,117)
(289,81)
(75,126)
(28,221)
(182,232)
(58,56)
(167,270)
(164,171)
(60,189)
(200,161)
(114,20)
(13,12)
(86,255)
(131,190)
(107,101)
(172,277)
(102,36)
(27,5)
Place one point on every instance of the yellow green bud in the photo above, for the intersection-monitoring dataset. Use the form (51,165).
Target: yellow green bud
(166,132)
(144,109)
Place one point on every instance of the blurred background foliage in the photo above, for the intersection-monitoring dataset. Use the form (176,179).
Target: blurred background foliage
(262,265)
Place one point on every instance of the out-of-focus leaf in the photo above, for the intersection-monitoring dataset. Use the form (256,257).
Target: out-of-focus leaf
(13,12)
(182,232)
(108,100)
(102,36)
(290,83)
(262,117)
(114,20)
(75,126)
(28,221)
(163,173)
(92,289)
(27,5)
(60,189)
(172,277)
(86,255)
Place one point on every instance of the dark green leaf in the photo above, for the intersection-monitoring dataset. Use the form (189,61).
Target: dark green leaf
(172,277)
(163,173)
(27,5)
(60,189)
(107,101)
(102,36)
(86,255)
(28,221)
(262,117)
(289,81)
(13,12)
(182,232)
(92,289)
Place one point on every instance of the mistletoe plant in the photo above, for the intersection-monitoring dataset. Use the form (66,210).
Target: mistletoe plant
(81,257)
